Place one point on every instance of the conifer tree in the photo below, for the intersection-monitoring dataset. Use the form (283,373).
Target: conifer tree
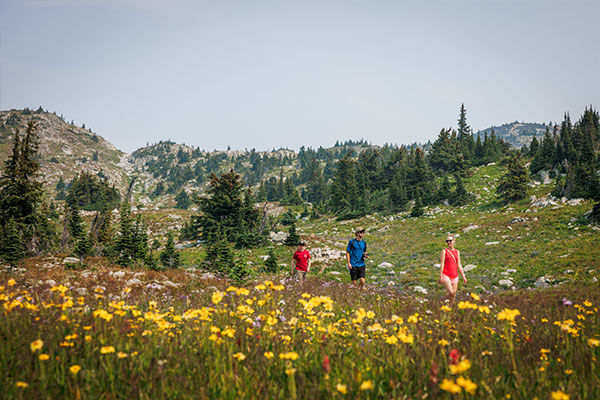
(219,256)
(21,194)
(397,194)
(125,244)
(12,248)
(513,184)
(183,200)
(460,196)
(271,265)
(169,257)
(293,238)
(417,209)
(82,247)
(444,193)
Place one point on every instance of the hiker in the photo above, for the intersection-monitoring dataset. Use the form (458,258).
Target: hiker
(356,252)
(450,265)
(301,262)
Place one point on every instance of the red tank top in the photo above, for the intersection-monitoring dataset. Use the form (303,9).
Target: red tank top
(450,263)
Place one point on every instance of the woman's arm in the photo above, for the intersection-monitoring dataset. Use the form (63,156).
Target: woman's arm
(442,262)
(460,268)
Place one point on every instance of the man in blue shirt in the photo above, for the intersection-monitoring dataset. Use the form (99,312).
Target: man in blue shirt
(356,252)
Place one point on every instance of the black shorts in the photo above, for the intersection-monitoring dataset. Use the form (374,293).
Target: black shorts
(357,272)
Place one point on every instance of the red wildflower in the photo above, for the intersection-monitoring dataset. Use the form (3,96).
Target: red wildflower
(326,366)
(454,356)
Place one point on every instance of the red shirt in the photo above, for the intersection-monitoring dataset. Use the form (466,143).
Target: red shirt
(450,263)
(301,258)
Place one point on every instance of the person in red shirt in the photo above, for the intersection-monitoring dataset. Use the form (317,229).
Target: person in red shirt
(301,262)
(450,265)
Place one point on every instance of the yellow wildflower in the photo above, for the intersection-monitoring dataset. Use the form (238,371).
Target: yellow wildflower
(74,369)
(449,386)
(290,371)
(292,355)
(508,314)
(217,297)
(475,297)
(461,367)
(594,342)
(36,345)
(341,388)
(44,357)
(443,342)
(391,340)
(107,349)
(466,384)
(22,385)
(239,356)
(269,354)
(11,282)
(366,385)
(559,395)
(121,355)
(445,308)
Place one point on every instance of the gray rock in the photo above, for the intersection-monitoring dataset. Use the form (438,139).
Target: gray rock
(81,291)
(117,274)
(278,237)
(542,283)
(516,220)
(505,282)
(491,243)
(154,286)
(50,282)
(470,228)
(469,267)
(335,273)
(385,265)
(133,282)
(208,275)
(71,260)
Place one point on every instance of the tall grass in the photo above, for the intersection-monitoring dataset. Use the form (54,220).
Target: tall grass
(273,340)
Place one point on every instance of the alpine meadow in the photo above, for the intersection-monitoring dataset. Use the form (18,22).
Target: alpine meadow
(167,273)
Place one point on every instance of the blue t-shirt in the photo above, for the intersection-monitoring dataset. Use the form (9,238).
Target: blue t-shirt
(357,249)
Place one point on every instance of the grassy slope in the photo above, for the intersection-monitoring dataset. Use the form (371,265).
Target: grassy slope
(547,244)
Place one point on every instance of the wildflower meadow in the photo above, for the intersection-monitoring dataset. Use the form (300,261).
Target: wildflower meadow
(102,339)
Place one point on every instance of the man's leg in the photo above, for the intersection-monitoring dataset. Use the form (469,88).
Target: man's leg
(361,283)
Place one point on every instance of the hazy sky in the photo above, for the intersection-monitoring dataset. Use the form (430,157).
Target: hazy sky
(269,74)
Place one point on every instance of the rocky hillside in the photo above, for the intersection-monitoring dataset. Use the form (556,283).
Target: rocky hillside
(65,149)
(517,133)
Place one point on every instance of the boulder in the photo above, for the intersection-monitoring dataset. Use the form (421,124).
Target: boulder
(71,260)
(278,237)
(516,220)
(117,274)
(335,272)
(50,282)
(385,265)
(470,228)
(491,243)
(469,267)
(506,282)
(542,283)
(133,282)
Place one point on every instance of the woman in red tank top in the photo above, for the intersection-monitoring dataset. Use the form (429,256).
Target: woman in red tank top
(450,266)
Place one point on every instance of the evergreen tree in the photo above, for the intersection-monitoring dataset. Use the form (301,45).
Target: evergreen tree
(21,194)
(460,196)
(445,192)
(219,256)
(82,247)
(183,200)
(534,146)
(293,238)
(169,257)
(271,265)
(513,184)
(12,248)
(417,209)
(75,221)
(125,244)
(397,194)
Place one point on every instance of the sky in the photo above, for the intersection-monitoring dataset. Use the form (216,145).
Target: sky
(271,74)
